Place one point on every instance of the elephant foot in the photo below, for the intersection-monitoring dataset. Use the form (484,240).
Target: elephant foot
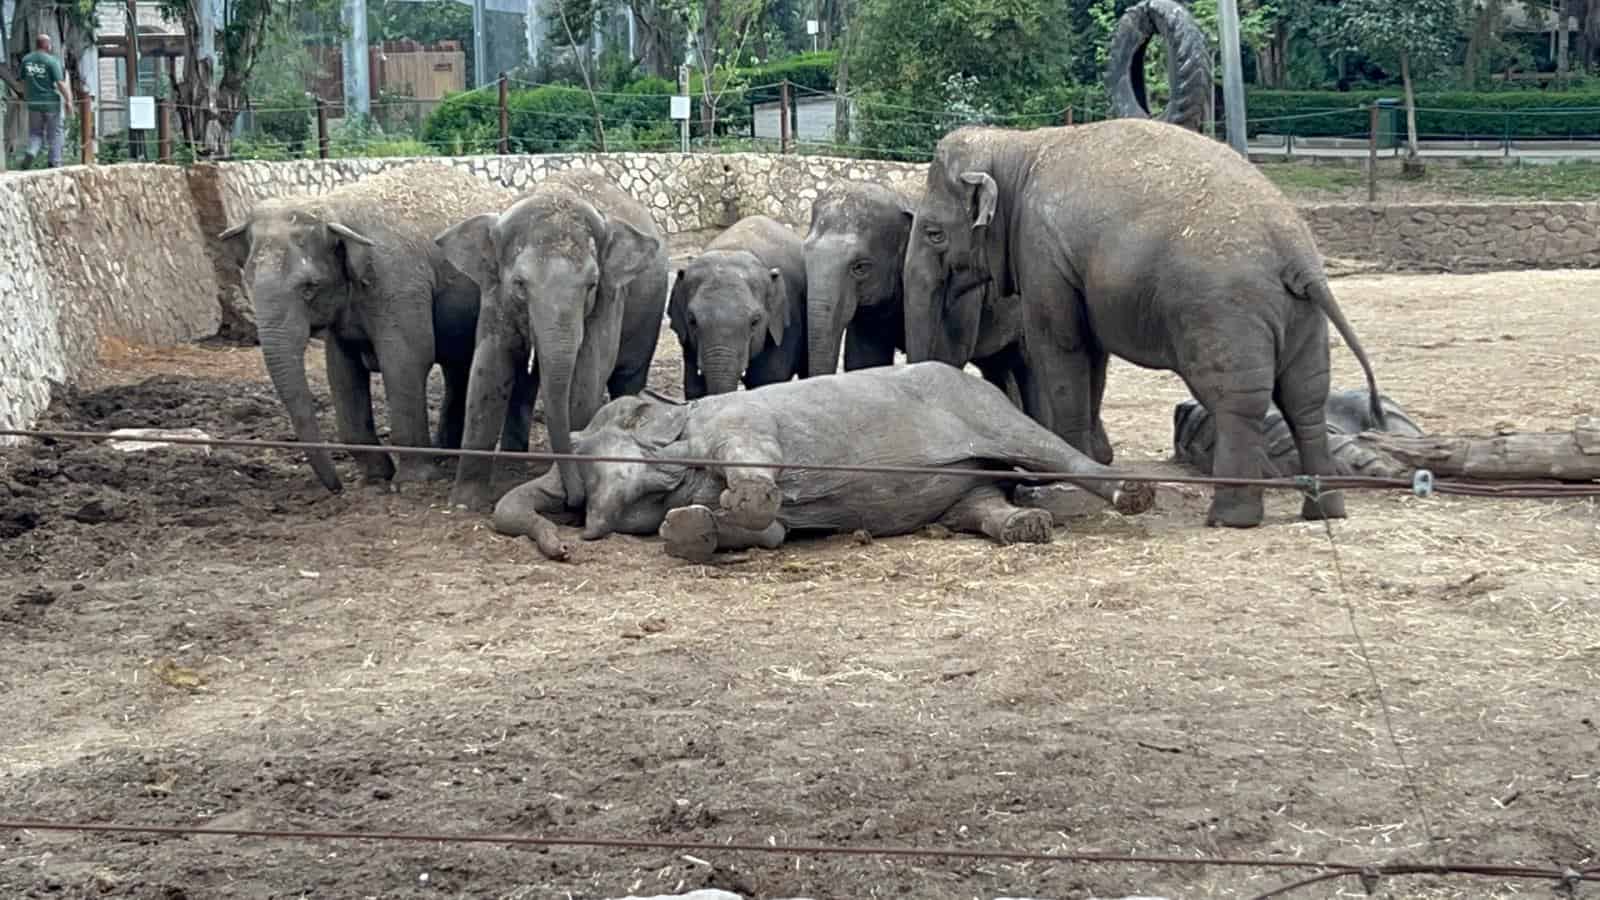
(1236,508)
(1134,497)
(751,505)
(1028,526)
(421,470)
(473,496)
(548,540)
(690,533)
(1330,505)
(377,468)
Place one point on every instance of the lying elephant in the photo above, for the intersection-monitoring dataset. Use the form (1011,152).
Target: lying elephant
(1194,434)
(739,309)
(927,414)
(853,250)
(358,266)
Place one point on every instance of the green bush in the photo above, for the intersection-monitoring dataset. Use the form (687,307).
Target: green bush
(1460,114)
(284,118)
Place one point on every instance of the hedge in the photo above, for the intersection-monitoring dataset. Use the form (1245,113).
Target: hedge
(1459,114)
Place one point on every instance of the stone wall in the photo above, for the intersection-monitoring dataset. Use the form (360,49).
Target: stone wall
(129,251)
(92,253)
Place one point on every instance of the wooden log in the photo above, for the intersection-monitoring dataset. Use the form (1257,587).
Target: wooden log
(1530,456)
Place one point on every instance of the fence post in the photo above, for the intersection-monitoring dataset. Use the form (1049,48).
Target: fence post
(783,117)
(86,128)
(163,130)
(1372,154)
(1068,119)
(505,116)
(322,128)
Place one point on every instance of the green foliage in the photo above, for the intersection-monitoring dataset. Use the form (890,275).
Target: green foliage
(285,118)
(1456,114)
(1426,31)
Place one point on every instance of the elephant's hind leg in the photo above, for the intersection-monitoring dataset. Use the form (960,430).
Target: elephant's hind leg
(985,510)
(1239,400)
(1302,397)
(351,384)
(453,413)
(696,533)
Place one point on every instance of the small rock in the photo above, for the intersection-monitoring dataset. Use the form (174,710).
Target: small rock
(97,512)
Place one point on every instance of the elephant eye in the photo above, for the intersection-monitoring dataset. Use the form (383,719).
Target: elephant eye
(860,268)
(755,320)
(309,288)
(935,236)
(692,322)
(519,284)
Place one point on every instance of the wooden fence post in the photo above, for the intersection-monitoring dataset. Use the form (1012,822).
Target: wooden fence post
(86,128)
(1068,119)
(505,115)
(164,129)
(783,117)
(322,128)
(1372,154)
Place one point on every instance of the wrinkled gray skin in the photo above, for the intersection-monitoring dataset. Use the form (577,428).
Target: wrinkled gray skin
(1144,240)
(1349,413)
(854,290)
(738,309)
(358,267)
(928,414)
(575,274)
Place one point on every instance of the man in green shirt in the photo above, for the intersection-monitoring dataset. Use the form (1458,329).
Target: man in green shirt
(47,96)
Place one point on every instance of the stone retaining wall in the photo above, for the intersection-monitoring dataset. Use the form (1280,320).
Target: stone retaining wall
(129,251)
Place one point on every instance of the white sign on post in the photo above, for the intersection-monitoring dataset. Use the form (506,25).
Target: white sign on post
(680,107)
(142,113)
(811,26)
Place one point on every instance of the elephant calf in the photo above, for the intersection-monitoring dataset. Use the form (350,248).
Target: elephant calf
(358,266)
(925,414)
(1194,433)
(854,290)
(738,309)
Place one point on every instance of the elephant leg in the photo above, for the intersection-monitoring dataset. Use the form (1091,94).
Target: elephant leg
(489,391)
(1302,397)
(453,414)
(405,368)
(351,384)
(1062,368)
(866,351)
(1098,360)
(627,380)
(519,411)
(985,510)
(694,383)
(752,498)
(696,533)
(528,510)
(1239,400)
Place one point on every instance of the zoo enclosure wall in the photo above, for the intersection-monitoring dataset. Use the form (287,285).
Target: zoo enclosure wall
(128,252)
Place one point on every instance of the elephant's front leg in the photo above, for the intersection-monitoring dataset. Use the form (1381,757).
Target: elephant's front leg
(866,350)
(351,384)
(696,533)
(985,510)
(1098,360)
(528,510)
(489,390)
(405,362)
(1062,371)
(752,498)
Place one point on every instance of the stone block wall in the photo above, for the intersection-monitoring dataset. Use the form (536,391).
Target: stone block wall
(1460,236)
(93,253)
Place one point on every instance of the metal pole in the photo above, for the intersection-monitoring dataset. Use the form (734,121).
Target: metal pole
(683,89)
(783,118)
(1232,76)
(1372,155)
(357,79)
(132,61)
(505,116)
(478,62)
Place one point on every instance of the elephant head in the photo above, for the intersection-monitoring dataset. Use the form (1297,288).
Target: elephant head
(956,253)
(854,251)
(555,256)
(726,304)
(630,497)
(299,268)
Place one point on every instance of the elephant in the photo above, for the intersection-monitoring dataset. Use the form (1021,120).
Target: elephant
(1349,413)
(1145,240)
(1188,63)
(738,309)
(574,281)
(853,251)
(358,267)
(926,414)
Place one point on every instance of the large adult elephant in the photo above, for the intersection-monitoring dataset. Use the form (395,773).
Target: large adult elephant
(854,250)
(1148,241)
(358,266)
(574,280)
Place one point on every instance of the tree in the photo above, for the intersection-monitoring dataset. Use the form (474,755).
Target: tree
(1420,34)
(213,90)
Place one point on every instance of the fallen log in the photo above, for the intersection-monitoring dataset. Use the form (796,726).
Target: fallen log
(1526,456)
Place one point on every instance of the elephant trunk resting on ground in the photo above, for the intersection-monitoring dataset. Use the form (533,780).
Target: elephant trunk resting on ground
(928,414)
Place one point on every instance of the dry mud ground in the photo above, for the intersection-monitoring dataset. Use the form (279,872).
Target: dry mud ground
(214,640)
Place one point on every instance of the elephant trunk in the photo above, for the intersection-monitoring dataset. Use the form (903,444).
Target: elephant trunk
(830,305)
(924,293)
(722,364)
(283,346)
(557,351)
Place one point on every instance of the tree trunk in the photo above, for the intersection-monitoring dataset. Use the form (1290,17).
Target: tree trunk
(1411,106)
(841,89)
(1563,456)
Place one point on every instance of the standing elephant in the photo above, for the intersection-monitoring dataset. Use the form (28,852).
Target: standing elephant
(1145,240)
(854,251)
(359,267)
(739,309)
(574,280)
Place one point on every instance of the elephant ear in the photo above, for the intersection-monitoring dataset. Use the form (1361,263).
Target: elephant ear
(777,304)
(628,251)
(987,197)
(469,246)
(235,242)
(678,307)
(356,249)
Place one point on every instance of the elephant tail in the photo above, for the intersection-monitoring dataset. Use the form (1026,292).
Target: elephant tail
(1316,290)
(1188,64)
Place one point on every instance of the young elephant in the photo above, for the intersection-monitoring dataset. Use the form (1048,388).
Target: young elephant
(854,250)
(574,279)
(925,414)
(1349,413)
(738,309)
(1144,240)
(359,267)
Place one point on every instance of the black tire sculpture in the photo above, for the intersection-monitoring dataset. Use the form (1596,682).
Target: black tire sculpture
(1188,64)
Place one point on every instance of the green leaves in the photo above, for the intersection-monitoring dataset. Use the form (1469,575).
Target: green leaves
(1426,30)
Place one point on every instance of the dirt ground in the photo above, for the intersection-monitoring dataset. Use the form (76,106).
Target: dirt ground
(215,640)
